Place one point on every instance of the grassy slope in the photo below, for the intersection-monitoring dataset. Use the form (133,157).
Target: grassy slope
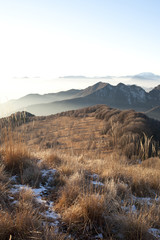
(100,187)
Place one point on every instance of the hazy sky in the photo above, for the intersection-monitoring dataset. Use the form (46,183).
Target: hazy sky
(52,38)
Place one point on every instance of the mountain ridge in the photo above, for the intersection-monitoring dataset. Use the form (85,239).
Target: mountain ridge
(121,96)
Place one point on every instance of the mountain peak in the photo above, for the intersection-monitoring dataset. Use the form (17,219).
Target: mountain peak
(147,75)
(92,89)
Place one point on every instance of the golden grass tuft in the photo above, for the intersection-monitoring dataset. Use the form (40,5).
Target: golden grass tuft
(152,163)
(88,210)
(4,202)
(136,225)
(134,228)
(53,160)
(26,199)
(143,181)
(31,174)
(70,192)
(4,186)
(23,224)
(15,158)
(23,220)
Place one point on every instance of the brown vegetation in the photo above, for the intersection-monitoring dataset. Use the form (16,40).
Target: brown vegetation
(103,173)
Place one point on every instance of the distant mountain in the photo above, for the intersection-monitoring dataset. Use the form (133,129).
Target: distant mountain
(73,77)
(121,96)
(140,76)
(36,99)
(32,99)
(46,98)
(81,77)
(155,95)
(91,89)
(147,76)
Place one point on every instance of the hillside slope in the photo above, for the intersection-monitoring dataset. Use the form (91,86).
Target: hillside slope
(121,129)
(80,174)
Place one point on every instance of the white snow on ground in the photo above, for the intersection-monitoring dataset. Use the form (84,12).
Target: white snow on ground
(38,193)
(128,209)
(49,174)
(95,179)
(97,183)
(94,176)
(50,214)
(18,187)
(99,236)
(142,200)
(52,218)
(155,232)
(13,178)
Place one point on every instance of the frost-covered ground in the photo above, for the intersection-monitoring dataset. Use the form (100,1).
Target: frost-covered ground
(40,195)
(52,218)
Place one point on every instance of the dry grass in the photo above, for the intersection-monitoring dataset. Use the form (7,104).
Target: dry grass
(143,181)
(53,160)
(60,134)
(135,227)
(15,157)
(4,195)
(23,222)
(97,176)
(70,192)
(22,225)
(4,182)
(87,213)
(84,207)
(79,201)
(17,160)
(152,163)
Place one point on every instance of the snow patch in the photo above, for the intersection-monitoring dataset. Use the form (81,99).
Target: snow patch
(97,183)
(155,232)
(95,179)
(48,172)
(38,193)
(99,236)
(145,200)
(94,176)
(128,209)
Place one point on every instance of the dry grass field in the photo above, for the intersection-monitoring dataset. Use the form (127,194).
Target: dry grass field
(92,173)
(68,134)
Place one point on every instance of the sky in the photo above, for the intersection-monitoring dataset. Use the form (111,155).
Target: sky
(41,40)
